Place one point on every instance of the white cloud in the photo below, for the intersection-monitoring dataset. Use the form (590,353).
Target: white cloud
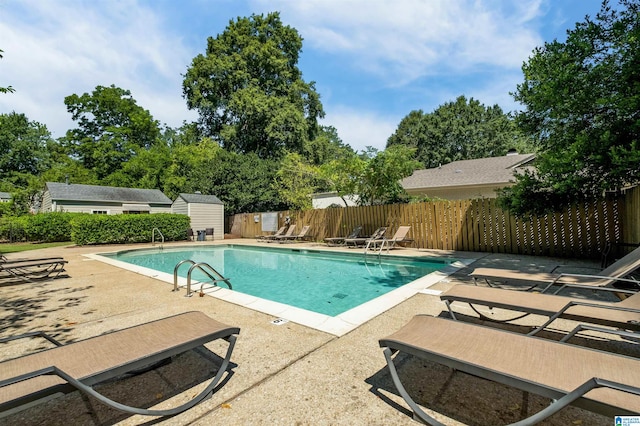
(403,40)
(360,129)
(55,49)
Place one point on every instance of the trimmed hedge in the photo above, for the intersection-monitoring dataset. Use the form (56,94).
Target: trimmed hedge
(41,227)
(126,228)
(48,227)
(86,228)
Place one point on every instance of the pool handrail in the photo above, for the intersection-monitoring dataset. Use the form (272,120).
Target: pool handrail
(153,237)
(201,266)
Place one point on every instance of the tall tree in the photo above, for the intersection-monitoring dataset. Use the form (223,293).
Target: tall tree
(112,128)
(380,181)
(326,146)
(248,89)
(295,181)
(242,181)
(460,130)
(582,103)
(23,146)
(342,175)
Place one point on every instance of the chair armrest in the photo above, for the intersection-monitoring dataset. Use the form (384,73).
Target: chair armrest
(590,327)
(579,303)
(557,280)
(590,287)
(31,334)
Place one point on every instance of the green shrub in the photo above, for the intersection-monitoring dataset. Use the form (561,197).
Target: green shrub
(12,229)
(124,228)
(48,227)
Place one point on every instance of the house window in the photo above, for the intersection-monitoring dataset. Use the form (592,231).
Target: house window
(99,212)
(134,212)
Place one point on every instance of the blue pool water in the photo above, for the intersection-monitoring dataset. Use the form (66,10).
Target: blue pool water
(327,283)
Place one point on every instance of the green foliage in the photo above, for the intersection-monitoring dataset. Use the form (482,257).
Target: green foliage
(49,227)
(460,130)
(28,193)
(112,128)
(119,229)
(148,169)
(12,228)
(23,146)
(242,181)
(581,99)
(42,227)
(296,181)
(380,183)
(343,176)
(249,91)
(326,146)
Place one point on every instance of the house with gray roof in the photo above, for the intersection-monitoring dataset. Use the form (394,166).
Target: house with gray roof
(5,197)
(468,179)
(70,197)
(206,213)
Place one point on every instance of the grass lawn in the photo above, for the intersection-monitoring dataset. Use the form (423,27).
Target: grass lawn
(18,247)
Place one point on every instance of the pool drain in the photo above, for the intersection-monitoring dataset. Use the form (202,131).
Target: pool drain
(279,321)
(340,295)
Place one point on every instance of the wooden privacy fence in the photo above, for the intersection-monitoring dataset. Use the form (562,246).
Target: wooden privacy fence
(475,225)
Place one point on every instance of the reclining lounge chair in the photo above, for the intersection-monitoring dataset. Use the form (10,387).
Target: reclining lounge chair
(287,234)
(5,260)
(624,314)
(606,277)
(340,241)
(362,241)
(289,238)
(80,365)
(30,270)
(275,234)
(399,237)
(569,375)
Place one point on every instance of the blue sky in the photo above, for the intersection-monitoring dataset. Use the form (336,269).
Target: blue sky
(373,61)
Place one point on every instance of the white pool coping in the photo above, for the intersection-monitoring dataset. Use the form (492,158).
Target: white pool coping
(337,326)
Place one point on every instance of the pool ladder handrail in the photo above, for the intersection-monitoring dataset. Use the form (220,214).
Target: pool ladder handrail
(153,238)
(382,244)
(201,266)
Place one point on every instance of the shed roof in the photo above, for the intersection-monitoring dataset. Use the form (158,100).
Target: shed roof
(481,171)
(96,193)
(200,199)
(5,195)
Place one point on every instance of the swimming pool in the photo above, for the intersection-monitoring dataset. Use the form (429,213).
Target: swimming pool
(312,285)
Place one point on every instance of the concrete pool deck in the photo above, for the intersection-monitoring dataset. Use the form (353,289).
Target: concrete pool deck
(283,373)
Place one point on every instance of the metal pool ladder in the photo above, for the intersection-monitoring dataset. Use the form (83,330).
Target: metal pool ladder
(204,267)
(382,244)
(153,238)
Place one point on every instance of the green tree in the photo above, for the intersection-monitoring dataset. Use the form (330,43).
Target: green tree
(112,128)
(7,89)
(296,181)
(380,181)
(326,146)
(23,146)
(582,99)
(248,89)
(343,175)
(460,130)
(147,169)
(242,181)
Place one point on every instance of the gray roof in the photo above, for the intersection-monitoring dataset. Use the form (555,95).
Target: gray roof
(482,171)
(5,195)
(77,192)
(200,199)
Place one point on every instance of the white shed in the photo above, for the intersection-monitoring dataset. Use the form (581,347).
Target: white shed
(205,211)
